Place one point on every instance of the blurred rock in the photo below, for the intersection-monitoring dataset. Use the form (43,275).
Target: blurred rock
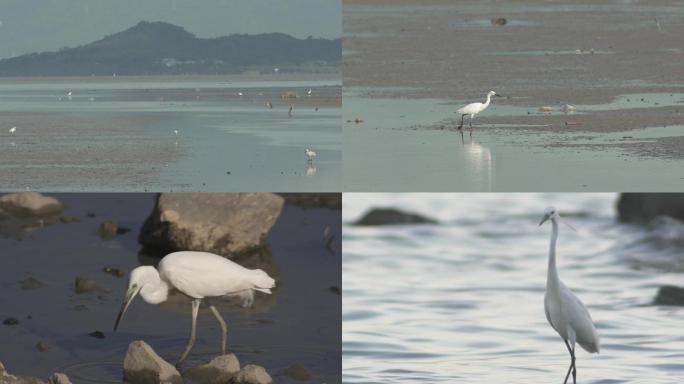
(30,204)
(298,372)
(114,271)
(314,200)
(30,283)
(223,223)
(644,207)
(59,378)
(392,216)
(218,371)
(10,321)
(42,346)
(500,21)
(85,285)
(107,230)
(69,219)
(669,295)
(252,374)
(142,366)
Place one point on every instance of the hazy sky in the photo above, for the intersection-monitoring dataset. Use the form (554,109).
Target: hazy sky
(47,25)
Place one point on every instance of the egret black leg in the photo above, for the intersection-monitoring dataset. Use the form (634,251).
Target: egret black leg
(462,117)
(193,334)
(224,328)
(572,365)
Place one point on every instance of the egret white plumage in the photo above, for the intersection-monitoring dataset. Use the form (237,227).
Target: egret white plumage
(12,130)
(473,109)
(309,92)
(564,310)
(310,154)
(198,275)
(175,132)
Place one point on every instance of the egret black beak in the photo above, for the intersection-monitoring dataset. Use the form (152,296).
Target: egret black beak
(543,220)
(130,295)
(497,95)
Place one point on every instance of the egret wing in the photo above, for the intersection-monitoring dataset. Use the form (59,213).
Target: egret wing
(580,320)
(202,274)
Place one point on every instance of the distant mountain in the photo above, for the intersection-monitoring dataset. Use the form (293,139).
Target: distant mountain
(155,48)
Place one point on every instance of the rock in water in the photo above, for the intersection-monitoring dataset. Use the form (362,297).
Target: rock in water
(222,223)
(218,371)
(107,230)
(30,204)
(6,378)
(669,295)
(298,372)
(252,374)
(391,216)
(85,285)
(644,207)
(142,366)
(59,378)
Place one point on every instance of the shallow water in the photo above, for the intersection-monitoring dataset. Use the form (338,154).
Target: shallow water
(462,301)
(395,149)
(226,142)
(298,324)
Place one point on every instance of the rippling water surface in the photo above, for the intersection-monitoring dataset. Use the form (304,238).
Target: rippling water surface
(462,301)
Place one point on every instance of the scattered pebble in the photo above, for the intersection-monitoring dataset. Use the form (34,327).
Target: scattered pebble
(114,271)
(97,335)
(85,285)
(500,21)
(42,347)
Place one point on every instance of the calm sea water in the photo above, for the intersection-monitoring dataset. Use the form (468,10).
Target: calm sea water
(298,324)
(462,301)
(118,133)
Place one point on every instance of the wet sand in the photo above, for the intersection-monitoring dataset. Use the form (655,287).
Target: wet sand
(441,55)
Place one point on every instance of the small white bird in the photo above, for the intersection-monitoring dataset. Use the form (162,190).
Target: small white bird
(310,155)
(198,275)
(473,109)
(12,130)
(309,92)
(69,93)
(175,132)
(564,310)
(240,94)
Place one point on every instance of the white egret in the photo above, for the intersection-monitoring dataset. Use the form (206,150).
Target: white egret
(564,310)
(309,92)
(473,109)
(69,93)
(12,130)
(240,94)
(175,132)
(310,154)
(198,275)
(269,105)
(289,112)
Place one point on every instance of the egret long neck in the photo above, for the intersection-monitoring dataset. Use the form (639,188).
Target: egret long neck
(489,97)
(155,293)
(552,279)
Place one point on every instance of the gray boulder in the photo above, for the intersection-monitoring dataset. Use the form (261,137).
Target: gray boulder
(24,204)
(252,374)
(222,223)
(644,207)
(143,366)
(392,216)
(669,295)
(218,371)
